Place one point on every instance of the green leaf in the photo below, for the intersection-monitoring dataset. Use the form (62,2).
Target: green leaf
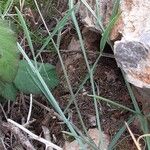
(9,92)
(27,82)
(8,53)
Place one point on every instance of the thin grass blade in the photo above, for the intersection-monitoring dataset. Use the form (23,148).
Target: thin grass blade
(25,29)
(58,27)
(119,133)
(114,103)
(107,31)
(98,19)
(7,7)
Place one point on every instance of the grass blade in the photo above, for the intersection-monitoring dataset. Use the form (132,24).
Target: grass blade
(113,19)
(26,31)
(58,27)
(93,13)
(107,31)
(7,7)
(114,103)
(143,120)
(119,133)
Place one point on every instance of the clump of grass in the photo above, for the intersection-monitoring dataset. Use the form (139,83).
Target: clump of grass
(45,43)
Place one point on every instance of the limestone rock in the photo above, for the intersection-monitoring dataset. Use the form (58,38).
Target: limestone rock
(132,51)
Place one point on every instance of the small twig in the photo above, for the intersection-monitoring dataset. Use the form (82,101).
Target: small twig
(41,16)
(21,5)
(18,134)
(30,109)
(2,145)
(65,31)
(133,137)
(46,133)
(48,109)
(3,111)
(47,136)
(26,125)
(34,136)
(8,109)
(142,136)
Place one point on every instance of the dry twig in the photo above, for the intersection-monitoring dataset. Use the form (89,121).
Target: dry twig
(18,134)
(34,136)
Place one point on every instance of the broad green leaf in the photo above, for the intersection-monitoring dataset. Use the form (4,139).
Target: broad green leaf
(8,53)
(9,92)
(26,81)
